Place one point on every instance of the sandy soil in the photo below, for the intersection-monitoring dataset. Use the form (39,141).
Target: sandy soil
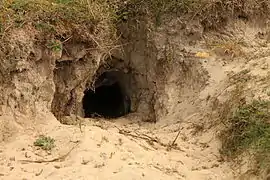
(120,150)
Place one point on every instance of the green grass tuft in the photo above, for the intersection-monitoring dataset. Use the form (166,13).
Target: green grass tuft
(45,142)
(55,46)
(249,130)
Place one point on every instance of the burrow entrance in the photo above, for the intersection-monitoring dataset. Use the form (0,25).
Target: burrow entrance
(116,88)
(109,98)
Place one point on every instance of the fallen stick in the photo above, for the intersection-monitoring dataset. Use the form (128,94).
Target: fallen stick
(149,139)
(170,146)
(59,159)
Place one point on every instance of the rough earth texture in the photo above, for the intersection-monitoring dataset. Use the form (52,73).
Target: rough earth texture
(183,91)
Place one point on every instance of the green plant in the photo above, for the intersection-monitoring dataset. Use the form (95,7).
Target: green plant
(44,26)
(55,46)
(18,5)
(45,142)
(83,20)
(249,131)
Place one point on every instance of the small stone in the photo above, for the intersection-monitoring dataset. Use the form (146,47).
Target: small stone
(85,162)
(12,158)
(204,167)
(57,167)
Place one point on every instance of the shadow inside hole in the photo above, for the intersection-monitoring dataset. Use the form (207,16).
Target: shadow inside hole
(109,100)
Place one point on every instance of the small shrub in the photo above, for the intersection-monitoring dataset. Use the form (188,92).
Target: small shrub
(249,131)
(55,46)
(45,142)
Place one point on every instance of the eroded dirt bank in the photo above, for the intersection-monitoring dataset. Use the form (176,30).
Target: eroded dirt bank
(175,84)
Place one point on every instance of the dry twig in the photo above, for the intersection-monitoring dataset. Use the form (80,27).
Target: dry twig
(58,159)
(170,146)
(148,139)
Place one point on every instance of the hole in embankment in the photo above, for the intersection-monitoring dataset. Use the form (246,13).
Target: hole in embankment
(109,99)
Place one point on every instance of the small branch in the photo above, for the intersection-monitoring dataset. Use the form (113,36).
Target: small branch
(39,173)
(149,139)
(176,138)
(170,146)
(67,39)
(58,159)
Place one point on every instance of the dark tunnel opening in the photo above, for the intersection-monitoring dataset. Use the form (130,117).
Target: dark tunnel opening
(109,100)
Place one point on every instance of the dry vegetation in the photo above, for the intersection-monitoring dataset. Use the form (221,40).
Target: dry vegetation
(211,13)
(94,21)
(84,20)
(246,130)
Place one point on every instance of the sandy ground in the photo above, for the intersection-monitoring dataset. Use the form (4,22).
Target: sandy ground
(114,150)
